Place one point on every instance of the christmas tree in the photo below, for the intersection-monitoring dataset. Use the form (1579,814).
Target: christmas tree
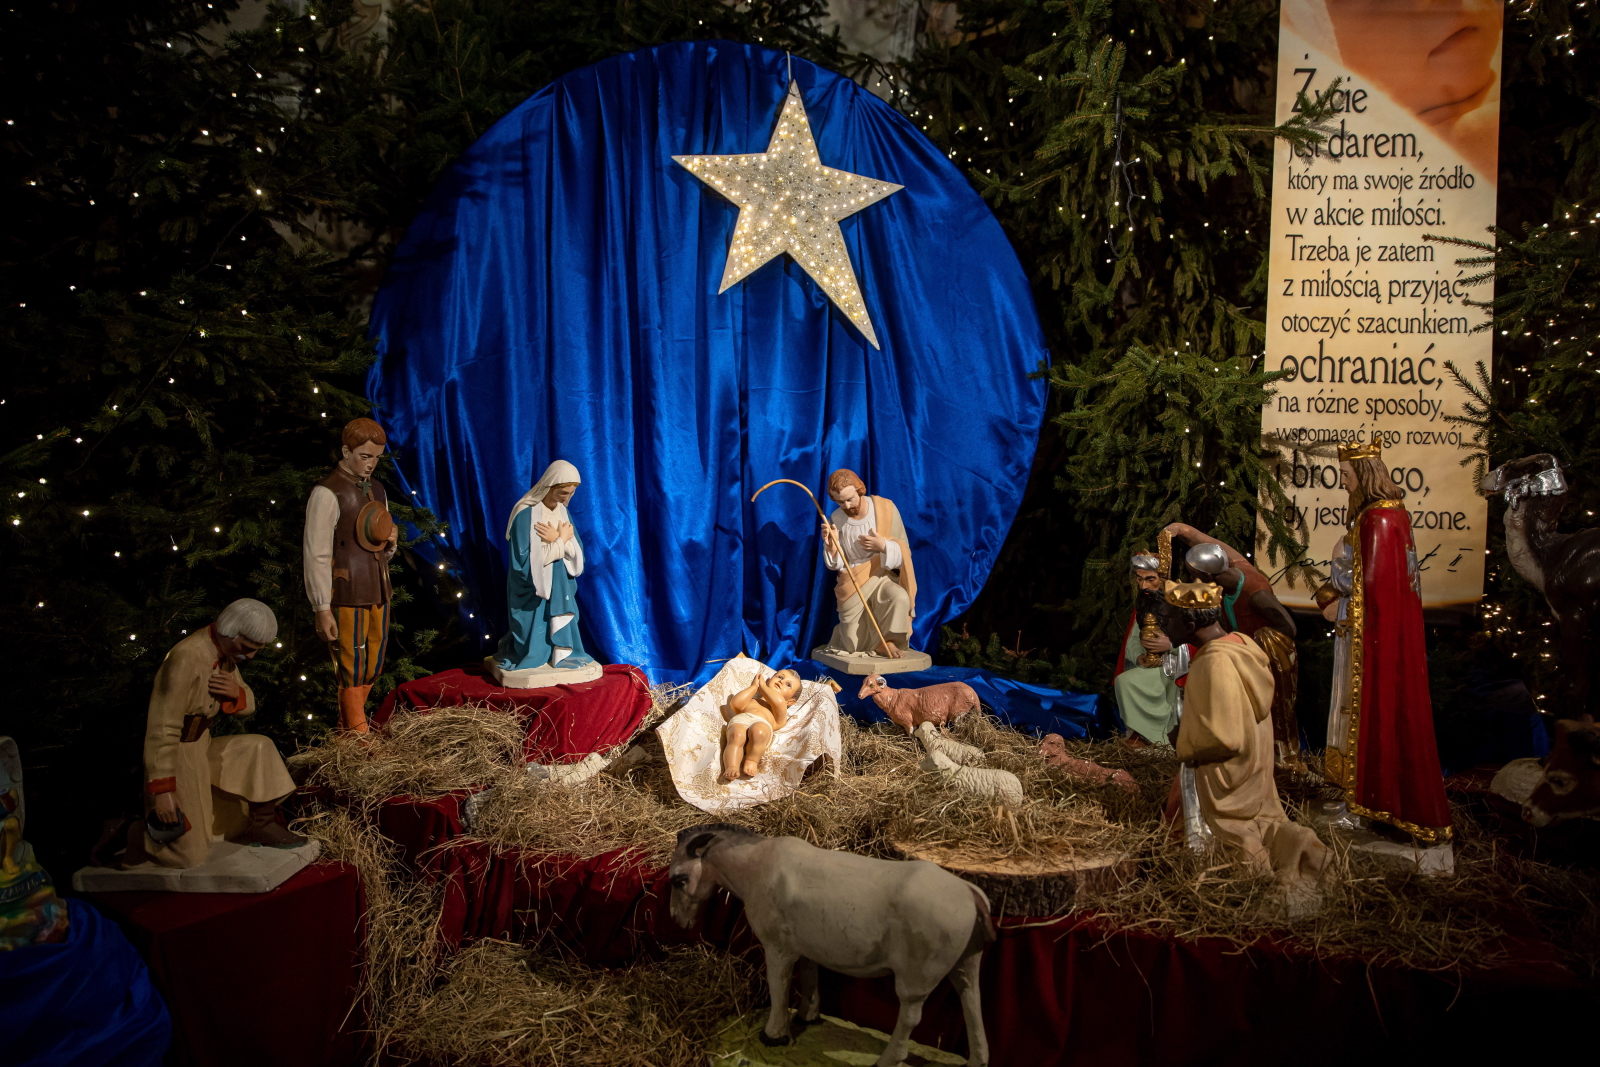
(201,198)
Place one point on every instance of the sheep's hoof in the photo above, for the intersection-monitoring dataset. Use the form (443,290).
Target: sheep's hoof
(773,1042)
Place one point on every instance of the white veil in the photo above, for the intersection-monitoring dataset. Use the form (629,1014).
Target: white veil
(558,473)
(542,556)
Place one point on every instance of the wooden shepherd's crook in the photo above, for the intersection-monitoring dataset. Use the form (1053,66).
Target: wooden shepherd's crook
(846,563)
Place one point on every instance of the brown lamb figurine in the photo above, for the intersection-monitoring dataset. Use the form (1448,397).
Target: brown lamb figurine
(939,704)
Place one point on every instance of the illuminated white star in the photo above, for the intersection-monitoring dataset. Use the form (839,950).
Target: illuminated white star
(789,202)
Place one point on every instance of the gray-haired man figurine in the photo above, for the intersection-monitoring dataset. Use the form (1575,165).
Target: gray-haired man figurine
(198,681)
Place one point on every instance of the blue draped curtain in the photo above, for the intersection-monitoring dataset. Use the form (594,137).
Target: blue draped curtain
(556,298)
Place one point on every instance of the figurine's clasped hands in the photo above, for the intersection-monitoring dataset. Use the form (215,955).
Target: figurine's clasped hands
(548,532)
(567,532)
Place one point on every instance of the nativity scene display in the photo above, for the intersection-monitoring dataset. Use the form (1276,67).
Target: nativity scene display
(539,720)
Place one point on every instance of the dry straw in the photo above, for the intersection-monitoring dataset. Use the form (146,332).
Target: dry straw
(497,1003)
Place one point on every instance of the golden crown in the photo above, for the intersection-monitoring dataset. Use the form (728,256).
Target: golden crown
(1370,450)
(1194,596)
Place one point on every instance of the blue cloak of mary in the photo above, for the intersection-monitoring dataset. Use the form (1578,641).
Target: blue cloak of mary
(541,581)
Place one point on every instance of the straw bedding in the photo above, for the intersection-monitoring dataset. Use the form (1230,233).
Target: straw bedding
(496,1003)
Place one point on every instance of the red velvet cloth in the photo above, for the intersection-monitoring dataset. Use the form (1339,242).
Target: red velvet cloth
(1079,991)
(564,722)
(610,909)
(254,979)
(1397,758)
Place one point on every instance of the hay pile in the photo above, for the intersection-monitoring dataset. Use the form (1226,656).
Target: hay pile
(500,1004)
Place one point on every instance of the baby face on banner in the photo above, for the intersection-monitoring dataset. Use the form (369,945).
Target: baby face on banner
(1435,58)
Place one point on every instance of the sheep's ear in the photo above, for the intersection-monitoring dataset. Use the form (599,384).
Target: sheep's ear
(698,844)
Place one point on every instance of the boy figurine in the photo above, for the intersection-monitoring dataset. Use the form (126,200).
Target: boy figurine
(754,715)
(349,541)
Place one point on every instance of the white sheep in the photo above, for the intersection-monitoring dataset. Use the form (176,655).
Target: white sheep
(934,741)
(1002,785)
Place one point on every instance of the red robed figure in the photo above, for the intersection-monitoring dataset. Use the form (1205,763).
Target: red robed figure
(1390,763)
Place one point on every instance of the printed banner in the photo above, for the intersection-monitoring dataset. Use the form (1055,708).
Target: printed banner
(1362,311)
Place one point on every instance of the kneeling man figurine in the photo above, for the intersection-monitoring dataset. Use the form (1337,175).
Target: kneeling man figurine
(1226,736)
(866,541)
(198,681)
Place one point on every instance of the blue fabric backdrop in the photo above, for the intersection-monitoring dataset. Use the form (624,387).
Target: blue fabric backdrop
(557,298)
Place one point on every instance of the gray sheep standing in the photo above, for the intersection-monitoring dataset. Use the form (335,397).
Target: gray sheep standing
(852,914)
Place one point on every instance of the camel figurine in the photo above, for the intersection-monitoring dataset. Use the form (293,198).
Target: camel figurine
(1565,567)
(852,914)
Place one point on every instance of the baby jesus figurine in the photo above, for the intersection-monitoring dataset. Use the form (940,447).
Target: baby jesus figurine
(753,715)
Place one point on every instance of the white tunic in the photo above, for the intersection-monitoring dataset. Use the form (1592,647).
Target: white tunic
(851,531)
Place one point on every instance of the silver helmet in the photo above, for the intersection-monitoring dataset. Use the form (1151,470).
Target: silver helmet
(1207,559)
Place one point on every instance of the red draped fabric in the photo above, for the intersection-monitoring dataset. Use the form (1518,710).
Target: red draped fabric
(1398,779)
(1077,991)
(254,979)
(564,722)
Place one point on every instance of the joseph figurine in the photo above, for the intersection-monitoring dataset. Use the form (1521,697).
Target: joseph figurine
(349,541)
(867,541)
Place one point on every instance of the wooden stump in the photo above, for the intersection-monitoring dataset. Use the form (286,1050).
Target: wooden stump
(1041,885)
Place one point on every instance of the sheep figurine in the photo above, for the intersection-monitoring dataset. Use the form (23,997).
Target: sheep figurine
(1001,785)
(934,741)
(939,704)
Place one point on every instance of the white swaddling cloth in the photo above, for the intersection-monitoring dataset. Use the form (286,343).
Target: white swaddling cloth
(692,740)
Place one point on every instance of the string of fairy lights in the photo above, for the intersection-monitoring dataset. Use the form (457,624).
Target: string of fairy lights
(1568,239)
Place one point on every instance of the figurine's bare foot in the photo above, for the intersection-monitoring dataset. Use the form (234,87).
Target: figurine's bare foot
(750,768)
(888,649)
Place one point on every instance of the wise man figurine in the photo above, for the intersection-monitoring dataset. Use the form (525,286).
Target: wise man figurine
(1226,739)
(349,540)
(184,765)
(866,543)
(1250,607)
(1150,670)
(1381,748)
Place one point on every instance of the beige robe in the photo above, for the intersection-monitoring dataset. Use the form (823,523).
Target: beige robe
(1227,733)
(892,594)
(243,767)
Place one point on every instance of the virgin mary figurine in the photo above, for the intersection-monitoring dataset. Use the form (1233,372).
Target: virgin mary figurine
(543,646)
